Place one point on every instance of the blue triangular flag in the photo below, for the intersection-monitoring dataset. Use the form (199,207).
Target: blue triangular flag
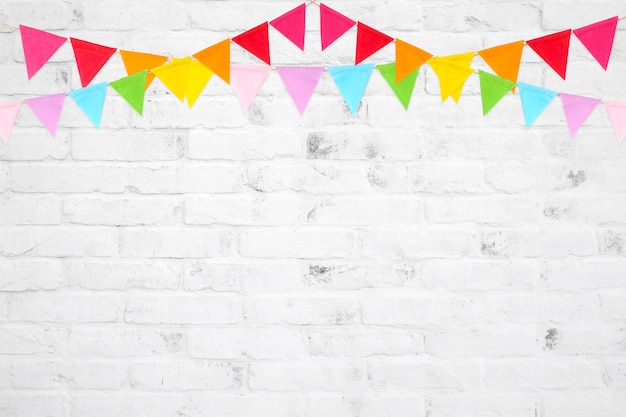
(91,101)
(534,101)
(352,81)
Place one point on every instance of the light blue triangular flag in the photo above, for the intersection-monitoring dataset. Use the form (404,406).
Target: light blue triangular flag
(534,101)
(91,101)
(352,81)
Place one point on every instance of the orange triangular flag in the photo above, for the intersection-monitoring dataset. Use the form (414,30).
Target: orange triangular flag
(217,59)
(408,59)
(369,41)
(505,59)
(138,61)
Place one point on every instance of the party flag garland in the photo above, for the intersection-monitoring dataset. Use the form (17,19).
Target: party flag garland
(187,77)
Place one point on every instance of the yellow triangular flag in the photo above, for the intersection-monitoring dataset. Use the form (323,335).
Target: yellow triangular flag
(174,75)
(197,78)
(452,71)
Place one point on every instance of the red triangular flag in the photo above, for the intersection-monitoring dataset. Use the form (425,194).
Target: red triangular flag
(292,25)
(90,58)
(39,46)
(553,49)
(368,41)
(256,41)
(598,39)
(332,25)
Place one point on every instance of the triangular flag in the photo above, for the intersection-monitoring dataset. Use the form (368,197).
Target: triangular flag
(8,114)
(91,101)
(452,71)
(408,59)
(369,41)
(256,41)
(598,39)
(617,114)
(39,46)
(90,58)
(332,25)
(132,89)
(577,109)
(300,82)
(403,89)
(247,80)
(534,101)
(352,81)
(505,59)
(217,59)
(48,110)
(492,89)
(553,49)
(198,77)
(174,75)
(139,61)
(292,25)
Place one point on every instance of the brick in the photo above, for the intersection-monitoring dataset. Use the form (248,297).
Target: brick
(67,178)
(346,275)
(122,341)
(60,308)
(176,243)
(111,211)
(242,277)
(415,243)
(50,374)
(365,342)
(144,404)
(29,340)
(36,145)
(27,210)
(183,310)
(186,179)
(175,375)
(25,275)
(116,146)
(302,310)
(32,404)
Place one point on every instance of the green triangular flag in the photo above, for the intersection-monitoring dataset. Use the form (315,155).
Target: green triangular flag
(404,89)
(492,89)
(132,89)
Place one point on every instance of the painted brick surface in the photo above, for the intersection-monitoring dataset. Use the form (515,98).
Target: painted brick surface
(210,262)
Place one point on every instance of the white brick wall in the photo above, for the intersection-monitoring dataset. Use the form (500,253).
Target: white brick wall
(210,262)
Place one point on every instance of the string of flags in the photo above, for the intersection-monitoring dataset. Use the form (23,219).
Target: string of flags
(187,77)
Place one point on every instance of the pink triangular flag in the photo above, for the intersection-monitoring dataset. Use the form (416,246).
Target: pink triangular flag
(8,114)
(48,110)
(577,110)
(617,114)
(598,39)
(300,82)
(247,80)
(332,25)
(39,46)
(292,25)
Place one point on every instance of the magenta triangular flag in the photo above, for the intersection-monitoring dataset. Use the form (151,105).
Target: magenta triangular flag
(247,80)
(617,114)
(39,46)
(577,110)
(332,25)
(300,82)
(48,110)
(8,114)
(598,39)
(292,25)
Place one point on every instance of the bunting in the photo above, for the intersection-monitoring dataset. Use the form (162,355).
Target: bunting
(352,80)
(300,82)
(598,39)
(403,89)
(174,75)
(90,58)
(452,71)
(577,109)
(369,41)
(534,101)
(217,59)
(48,110)
(617,114)
(132,89)
(197,78)
(247,80)
(91,101)
(332,25)
(553,49)
(8,114)
(256,41)
(135,62)
(505,59)
(38,46)
(292,25)
(408,59)
(492,89)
